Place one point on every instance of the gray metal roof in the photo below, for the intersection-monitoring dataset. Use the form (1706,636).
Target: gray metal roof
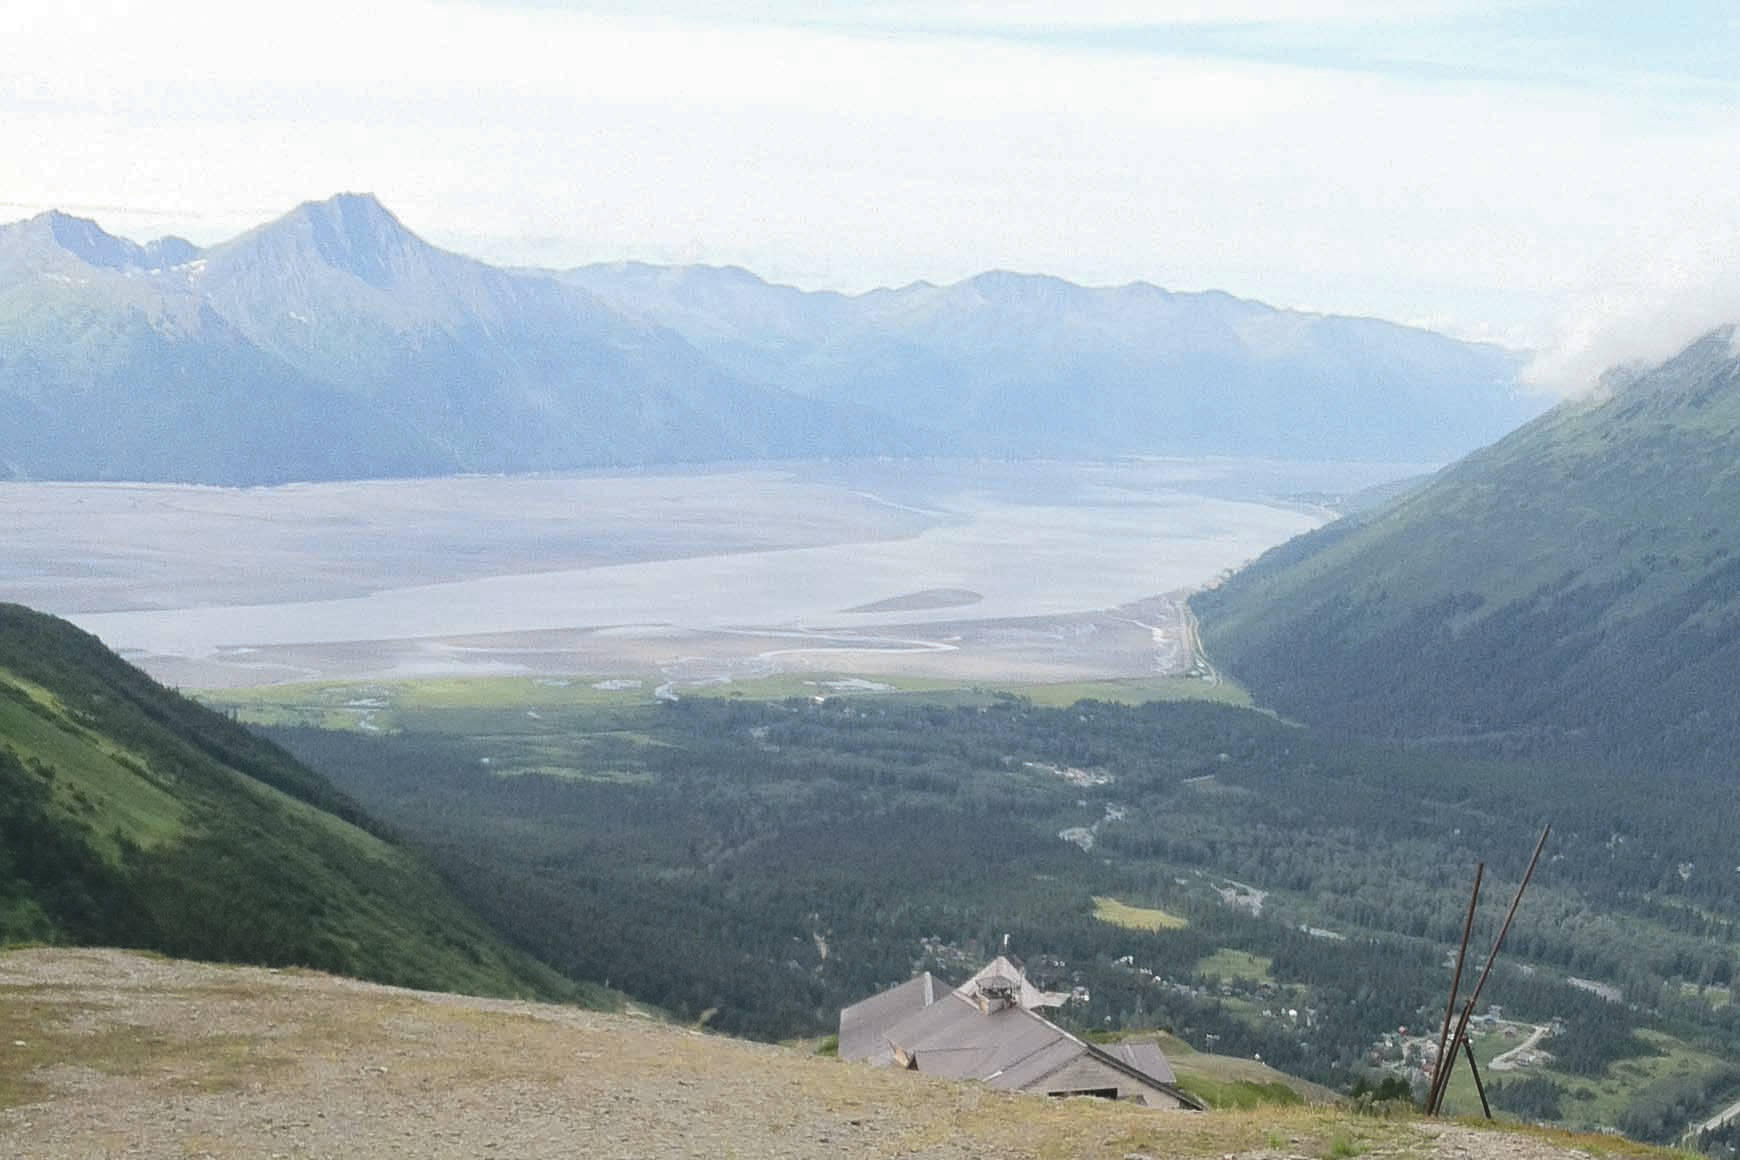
(953,1037)
(863,1026)
(948,1033)
(1145,1057)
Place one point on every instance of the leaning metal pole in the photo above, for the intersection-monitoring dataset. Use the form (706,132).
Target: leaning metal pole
(1437,1097)
(1478,1086)
(1441,1061)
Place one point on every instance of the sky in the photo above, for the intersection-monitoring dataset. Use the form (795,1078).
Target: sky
(1558,176)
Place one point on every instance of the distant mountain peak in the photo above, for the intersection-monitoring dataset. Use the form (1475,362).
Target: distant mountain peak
(88,241)
(170,251)
(59,232)
(353,232)
(1007,282)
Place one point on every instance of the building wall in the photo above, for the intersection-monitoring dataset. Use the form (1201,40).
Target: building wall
(1086,1074)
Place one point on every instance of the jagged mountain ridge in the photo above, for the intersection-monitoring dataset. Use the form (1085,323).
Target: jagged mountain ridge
(511,371)
(336,343)
(1574,588)
(113,366)
(1031,364)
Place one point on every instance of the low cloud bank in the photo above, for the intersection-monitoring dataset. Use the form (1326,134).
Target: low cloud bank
(1641,314)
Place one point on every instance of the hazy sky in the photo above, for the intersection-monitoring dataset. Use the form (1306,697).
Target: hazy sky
(1530,172)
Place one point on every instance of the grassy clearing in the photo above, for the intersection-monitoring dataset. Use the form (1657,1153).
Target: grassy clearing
(1599,1102)
(1238,1081)
(1134,691)
(783,685)
(1238,1093)
(1462,1099)
(1231,964)
(384,706)
(568,773)
(1588,1102)
(1137,917)
(377,706)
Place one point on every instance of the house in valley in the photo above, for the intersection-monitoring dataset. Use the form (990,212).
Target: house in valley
(990,1029)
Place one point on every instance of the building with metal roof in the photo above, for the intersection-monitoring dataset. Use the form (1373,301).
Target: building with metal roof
(989,1029)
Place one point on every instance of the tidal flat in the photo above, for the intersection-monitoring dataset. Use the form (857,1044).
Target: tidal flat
(773,567)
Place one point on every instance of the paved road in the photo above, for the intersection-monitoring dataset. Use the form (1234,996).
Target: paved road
(1731,1112)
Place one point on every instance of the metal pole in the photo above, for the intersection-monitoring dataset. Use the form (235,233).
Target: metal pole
(1478,1086)
(1440,1062)
(1441,1081)
(1498,944)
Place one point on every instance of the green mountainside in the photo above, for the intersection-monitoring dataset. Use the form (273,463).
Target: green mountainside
(1573,588)
(131,816)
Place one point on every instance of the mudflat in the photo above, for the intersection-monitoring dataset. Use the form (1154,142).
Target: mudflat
(275,584)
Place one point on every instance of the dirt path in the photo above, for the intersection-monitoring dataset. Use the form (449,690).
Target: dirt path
(104,1053)
(1512,1059)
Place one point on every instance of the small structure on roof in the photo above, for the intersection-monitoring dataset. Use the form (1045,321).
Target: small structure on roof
(989,1029)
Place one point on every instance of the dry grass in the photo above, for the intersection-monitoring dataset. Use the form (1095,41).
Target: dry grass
(171,1059)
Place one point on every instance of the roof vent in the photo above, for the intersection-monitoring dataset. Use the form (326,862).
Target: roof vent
(995,992)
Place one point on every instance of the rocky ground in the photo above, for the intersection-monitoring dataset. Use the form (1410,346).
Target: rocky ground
(109,1053)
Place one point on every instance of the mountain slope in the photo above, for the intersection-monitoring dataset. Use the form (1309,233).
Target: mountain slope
(505,371)
(134,817)
(1575,585)
(1007,363)
(113,367)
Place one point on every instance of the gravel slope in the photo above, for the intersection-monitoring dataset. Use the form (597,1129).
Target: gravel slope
(110,1053)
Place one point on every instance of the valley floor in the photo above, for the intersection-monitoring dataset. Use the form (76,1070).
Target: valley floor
(108,1053)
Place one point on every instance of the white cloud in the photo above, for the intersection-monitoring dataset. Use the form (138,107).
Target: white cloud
(546,136)
(1642,307)
(1047,14)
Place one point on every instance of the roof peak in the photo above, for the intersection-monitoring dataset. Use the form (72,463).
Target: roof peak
(1024,993)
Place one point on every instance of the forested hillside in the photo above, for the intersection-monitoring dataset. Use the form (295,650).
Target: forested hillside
(1572,590)
(130,816)
(1252,886)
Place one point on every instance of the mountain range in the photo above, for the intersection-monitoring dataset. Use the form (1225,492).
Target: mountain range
(1573,589)
(335,343)
(1030,365)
